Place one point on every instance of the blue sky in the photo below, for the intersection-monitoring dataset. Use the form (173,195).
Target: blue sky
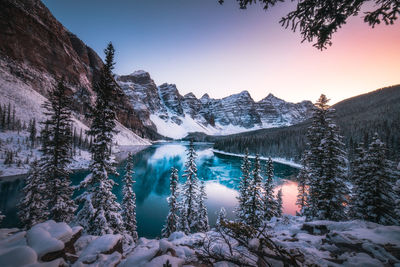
(203,47)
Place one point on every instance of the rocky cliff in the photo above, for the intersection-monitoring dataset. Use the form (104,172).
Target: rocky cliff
(36,49)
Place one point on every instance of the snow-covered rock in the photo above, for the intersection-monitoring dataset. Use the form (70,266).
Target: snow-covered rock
(106,244)
(349,243)
(51,240)
(317,243)
(17,256)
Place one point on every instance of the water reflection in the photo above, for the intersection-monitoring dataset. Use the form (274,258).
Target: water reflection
(152,170)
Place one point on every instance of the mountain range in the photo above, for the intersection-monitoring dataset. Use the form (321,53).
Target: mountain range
(36,50)
(358,118)
(165,110)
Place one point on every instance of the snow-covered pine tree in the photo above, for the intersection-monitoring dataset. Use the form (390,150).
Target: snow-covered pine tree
(255,199)
(202,224)
(33,207)
(380,178)
(242,210)
(32,132)
(55,155)
(360,193)
(302,179)
(333,190)
(190,190)
(279,203)
(183,222)
(171,224)
(101,211)
(129,200)
(270,203)
(221,217)
(314,155)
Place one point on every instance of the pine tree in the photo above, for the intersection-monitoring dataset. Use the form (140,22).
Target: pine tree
(270,204)
(360,184)
(101,212)
(9,116)
(221,218)
(255,199)
(55,155)
(314,155)
(171,224)
(129,201)
(332,188)
(202,216)
(13,122)
(324,162)
(378,194)
(242,210)
(3,118)
(183,222)
(32,132)
(190,189)
(302,179)
(33,207)
(279,203)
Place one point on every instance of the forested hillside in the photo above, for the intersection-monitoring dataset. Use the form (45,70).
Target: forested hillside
(358,118)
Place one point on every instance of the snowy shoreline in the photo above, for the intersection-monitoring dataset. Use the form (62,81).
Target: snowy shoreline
(120,155)
(278,160)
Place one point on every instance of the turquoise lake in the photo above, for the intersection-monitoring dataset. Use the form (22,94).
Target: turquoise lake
(152,170)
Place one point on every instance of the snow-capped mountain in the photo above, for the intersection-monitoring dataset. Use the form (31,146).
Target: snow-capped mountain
(165,110)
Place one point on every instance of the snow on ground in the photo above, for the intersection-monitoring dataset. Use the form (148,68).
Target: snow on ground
(126,137)
(173,130)
(318,243)
(26,100)
(278,160)
(28,105)
(170,129)
(24,154)
(349,243)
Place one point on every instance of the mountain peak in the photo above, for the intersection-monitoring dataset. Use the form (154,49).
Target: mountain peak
(270,97)
(205,96)
(138,76)
(190,95)
(139,73)
(242,95)
(245,93)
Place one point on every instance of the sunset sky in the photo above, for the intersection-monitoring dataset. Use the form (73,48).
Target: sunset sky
(203,47)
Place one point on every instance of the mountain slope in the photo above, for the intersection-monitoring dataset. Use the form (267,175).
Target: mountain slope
(169,113)
(358,118)
(36,49)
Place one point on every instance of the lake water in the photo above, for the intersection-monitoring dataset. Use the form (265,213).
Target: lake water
(152,170)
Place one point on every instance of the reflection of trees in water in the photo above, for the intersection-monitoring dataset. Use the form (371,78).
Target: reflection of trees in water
(164,171)
(152,176)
